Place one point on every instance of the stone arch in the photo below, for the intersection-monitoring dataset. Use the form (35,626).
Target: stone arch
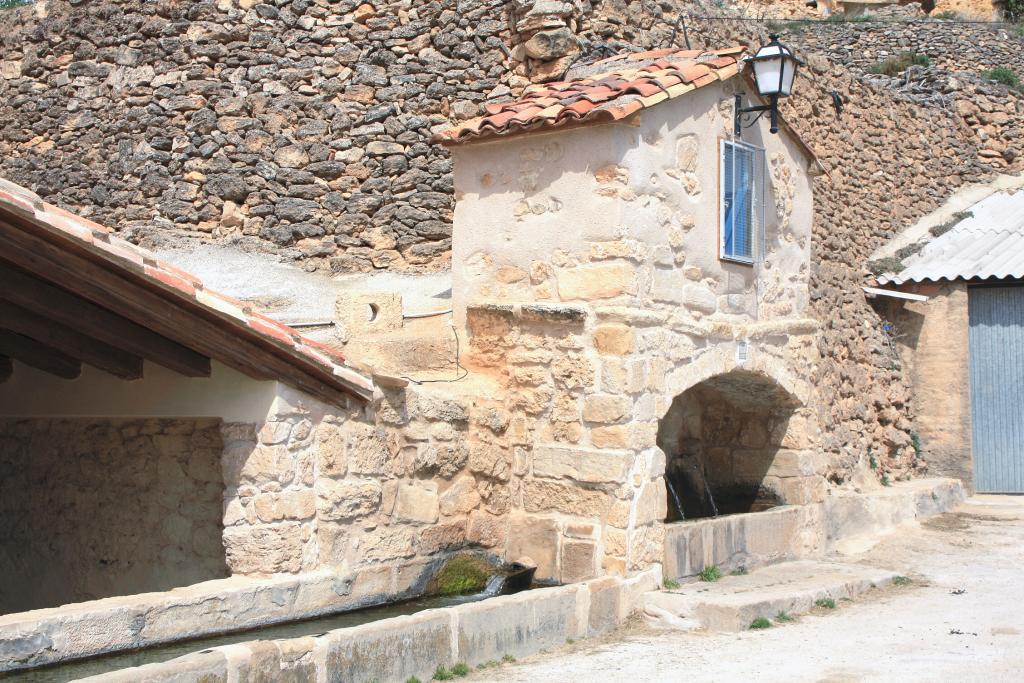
(735,441)
(721,359)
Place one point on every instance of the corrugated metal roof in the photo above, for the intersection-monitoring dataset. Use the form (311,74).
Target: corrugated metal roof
(987,245)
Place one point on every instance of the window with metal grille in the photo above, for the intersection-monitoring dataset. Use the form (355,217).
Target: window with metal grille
(742,197)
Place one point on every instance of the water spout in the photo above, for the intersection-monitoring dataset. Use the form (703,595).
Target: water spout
(711,499)
(675,498)
(494,585)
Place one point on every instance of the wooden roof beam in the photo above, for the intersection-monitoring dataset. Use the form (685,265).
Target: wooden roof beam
(79,272)
(38,356)
(72,311)
(70,342)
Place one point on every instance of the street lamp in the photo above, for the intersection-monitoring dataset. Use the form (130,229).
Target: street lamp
(774,68)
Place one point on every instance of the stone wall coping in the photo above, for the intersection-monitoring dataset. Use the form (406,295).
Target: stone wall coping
(517,625)
(802,531)
(119,623)
(531,312)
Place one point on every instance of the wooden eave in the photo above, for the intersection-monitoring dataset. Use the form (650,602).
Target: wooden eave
(172,305)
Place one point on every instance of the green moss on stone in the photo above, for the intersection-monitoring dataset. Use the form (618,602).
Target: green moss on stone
(463,575)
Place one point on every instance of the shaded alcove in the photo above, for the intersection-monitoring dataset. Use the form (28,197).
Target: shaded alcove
(95,508)
(720,438)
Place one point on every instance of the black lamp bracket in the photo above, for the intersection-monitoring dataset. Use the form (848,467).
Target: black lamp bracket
(739,110)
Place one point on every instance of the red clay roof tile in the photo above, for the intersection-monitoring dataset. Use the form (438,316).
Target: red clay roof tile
(629,82)
(75,232)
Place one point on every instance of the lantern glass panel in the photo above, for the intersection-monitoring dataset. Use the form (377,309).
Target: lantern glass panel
(774,69)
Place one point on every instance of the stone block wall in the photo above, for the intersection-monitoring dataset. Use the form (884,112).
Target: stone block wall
(587,487)
(383,492)
(895,154)
(586,490)
(94,508)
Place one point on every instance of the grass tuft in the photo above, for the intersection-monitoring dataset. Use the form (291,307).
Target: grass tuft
(902,581)
(1003,76)
(894,66)
(890,264)
(784,617)
(670,584)
(943,228)
(442,673)
(760,623)
(413,679)
(825,603)
(508,659)
(711,574)
(461,669)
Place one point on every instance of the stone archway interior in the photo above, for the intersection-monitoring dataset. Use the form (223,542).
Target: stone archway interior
(720,439)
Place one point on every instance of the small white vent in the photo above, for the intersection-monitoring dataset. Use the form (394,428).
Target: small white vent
(742,352)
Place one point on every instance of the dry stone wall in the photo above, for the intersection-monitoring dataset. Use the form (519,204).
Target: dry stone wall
(94,508)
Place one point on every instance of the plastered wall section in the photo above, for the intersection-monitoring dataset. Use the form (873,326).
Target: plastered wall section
(628,212)
(932,338)
(586,268)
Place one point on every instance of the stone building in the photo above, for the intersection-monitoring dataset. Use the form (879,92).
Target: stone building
(635,334)
(955,323)
(633,285)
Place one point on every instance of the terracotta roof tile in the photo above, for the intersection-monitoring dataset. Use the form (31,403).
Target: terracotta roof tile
(624,85)
(75,232)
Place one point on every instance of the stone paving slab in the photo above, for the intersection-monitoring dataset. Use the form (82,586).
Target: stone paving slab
(733,602)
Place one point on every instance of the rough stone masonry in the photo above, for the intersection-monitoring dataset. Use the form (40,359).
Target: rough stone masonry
(301,127)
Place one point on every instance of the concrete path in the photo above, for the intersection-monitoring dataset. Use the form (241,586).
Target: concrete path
(961,620)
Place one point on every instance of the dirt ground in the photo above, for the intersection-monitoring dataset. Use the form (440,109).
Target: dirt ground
(961,619)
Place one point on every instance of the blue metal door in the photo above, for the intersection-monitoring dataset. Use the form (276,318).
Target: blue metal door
(997,387)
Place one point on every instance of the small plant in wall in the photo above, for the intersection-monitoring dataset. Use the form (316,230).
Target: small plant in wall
(1003,76)
(886,481)
(825,603)
(711,574)
(442,673)
(670,584)
(760,623)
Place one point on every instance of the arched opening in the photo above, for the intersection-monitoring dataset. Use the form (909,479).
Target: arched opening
(721,439)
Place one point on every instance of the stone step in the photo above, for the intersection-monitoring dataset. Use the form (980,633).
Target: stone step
(733,602)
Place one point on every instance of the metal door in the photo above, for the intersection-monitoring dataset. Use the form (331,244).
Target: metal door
(997,387)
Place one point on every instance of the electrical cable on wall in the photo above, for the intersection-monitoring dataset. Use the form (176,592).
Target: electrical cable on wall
(460,372)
